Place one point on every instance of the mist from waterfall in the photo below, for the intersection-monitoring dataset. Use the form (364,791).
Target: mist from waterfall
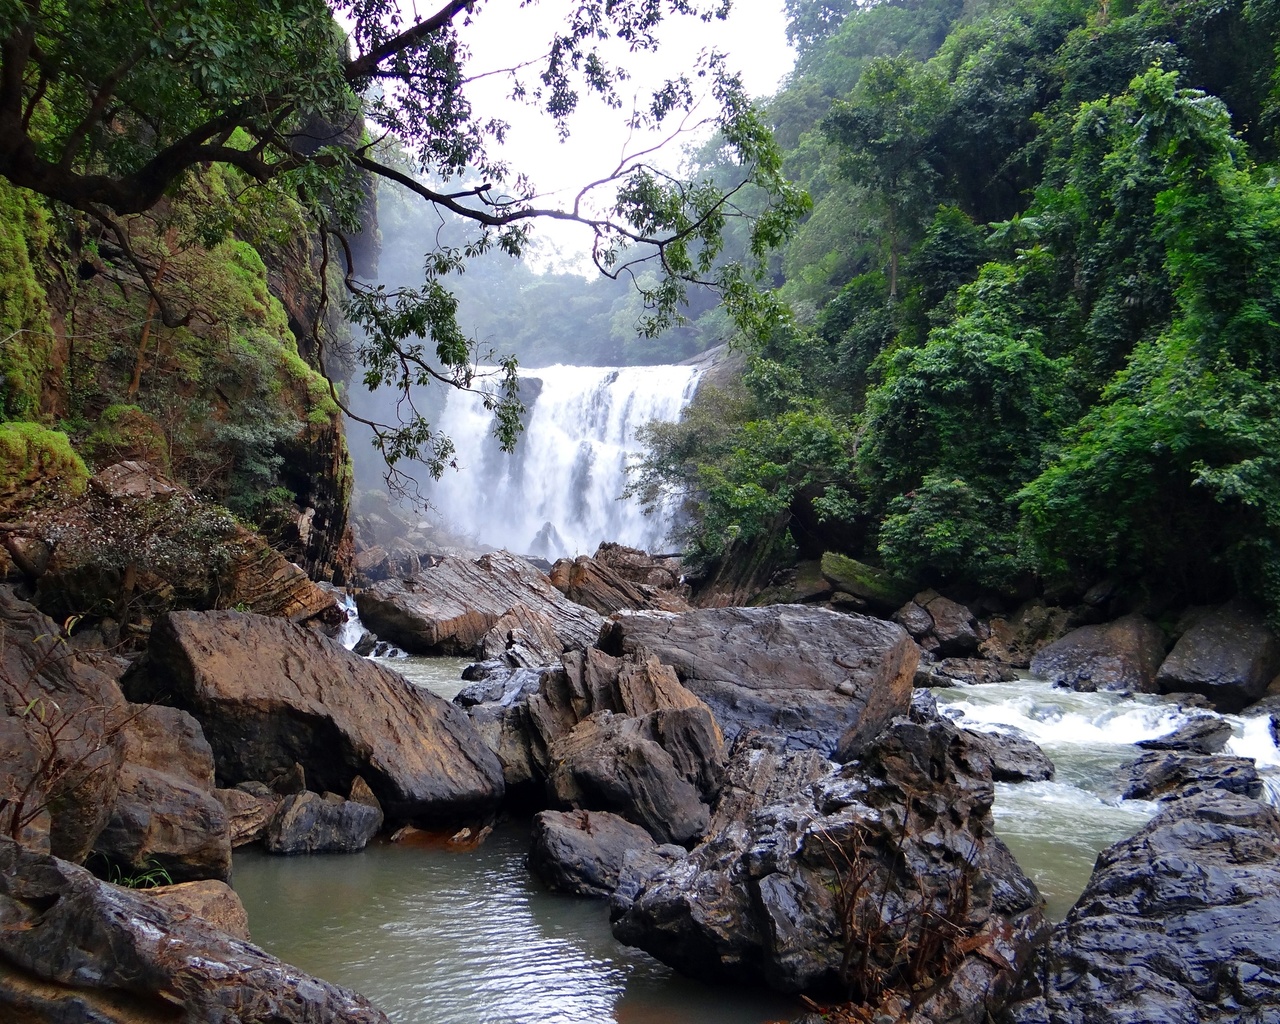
(560,492)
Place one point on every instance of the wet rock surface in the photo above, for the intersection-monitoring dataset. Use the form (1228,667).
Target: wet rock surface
(582,852)
(1179,924)
(1203,734)
(449,607)
(1229,655)
(315,823)
(212,901)
(76,949)
(1166,774)
(962,671)
(836,887)
(270,694)
(815,678)
(1120,655)
(1014,758)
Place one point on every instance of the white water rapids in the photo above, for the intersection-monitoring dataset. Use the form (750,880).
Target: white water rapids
(560,492)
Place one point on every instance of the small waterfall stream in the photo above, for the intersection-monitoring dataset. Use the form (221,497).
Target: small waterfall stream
(558,493)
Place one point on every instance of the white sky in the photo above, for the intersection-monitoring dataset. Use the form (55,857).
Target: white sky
(504,34)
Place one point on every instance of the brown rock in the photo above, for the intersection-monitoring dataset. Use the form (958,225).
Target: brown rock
(954,626)
(448,608)
(211,900)
(61,726)
(522,638)
(76,949)
(247,814)
(1120,655)
(816,678)
(608,763)
(269,693)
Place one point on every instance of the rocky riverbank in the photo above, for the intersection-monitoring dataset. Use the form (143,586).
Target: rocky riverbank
(758,792)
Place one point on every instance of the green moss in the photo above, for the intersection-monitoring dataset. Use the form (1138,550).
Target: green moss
(26,337)
(875,586)
(37,464)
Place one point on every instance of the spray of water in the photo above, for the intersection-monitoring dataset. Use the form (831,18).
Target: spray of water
(560,492)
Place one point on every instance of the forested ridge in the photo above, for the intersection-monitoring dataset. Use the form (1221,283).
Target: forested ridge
(1034,341)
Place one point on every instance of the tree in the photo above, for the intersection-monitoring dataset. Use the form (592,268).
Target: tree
(886,133)
(109,107)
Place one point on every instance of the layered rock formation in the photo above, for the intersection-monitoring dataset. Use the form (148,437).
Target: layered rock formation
(270,694)
(822,680)
(449,607)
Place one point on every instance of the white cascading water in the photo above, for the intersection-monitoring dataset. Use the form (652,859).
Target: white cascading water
(560,492)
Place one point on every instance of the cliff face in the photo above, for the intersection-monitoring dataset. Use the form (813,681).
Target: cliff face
(190,344)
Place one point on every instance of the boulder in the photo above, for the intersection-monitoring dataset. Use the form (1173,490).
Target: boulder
(816,678)
(1120,655)
(582,852)
(1164,774)
(60,721)
(247,813)
(1203,734)
(610,763)
(312,823)
(938,624)
(597,586)
(213,901)
(1014,758)
(270,694)
(1179,924)
(883,878)
(449,607)
(74,948)
(1229,654)
(522,638)
(662,572)
(166,814)
(881,590)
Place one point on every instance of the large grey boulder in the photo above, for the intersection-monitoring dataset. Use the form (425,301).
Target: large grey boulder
(270,694)
(73,948)
(1120,655)
(1229,655)
(884,879)
(817,679)
(1014,757)
(449,607)
(1178,925)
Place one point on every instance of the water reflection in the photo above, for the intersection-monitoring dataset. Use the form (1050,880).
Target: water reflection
(437,937)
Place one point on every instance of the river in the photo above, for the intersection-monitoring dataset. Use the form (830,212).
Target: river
(438,935)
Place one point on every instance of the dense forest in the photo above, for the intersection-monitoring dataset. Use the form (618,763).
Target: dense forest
(1033,341)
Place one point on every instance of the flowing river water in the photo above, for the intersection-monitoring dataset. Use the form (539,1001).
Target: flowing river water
(435,935)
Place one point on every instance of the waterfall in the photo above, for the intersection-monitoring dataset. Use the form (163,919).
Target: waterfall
(560,492)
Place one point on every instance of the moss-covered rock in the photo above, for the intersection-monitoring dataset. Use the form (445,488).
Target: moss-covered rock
(881,590)
(26,337)
(126,432)
(37,465)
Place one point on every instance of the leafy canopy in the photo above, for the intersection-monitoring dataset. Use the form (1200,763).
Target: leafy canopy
(108,107)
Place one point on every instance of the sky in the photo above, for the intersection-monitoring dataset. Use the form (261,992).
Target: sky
(504,34)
